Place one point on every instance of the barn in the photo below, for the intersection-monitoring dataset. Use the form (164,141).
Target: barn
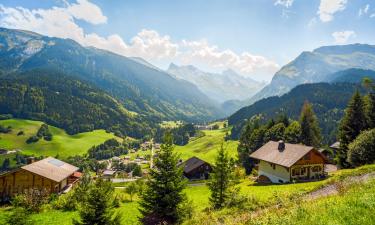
(49,174)
(196,169)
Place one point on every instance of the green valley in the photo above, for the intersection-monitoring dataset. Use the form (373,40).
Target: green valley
(62,144)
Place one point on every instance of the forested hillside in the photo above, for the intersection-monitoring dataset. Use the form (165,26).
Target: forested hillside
(328,100)
(67,103)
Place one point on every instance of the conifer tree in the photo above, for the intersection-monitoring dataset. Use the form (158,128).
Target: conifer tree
(352,124)
(310,131)
(163,197)
(96,205)
(221,180)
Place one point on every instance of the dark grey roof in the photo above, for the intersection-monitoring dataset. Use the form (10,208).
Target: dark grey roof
(192,163)
(288,157)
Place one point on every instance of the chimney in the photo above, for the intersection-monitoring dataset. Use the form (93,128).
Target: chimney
(281,146)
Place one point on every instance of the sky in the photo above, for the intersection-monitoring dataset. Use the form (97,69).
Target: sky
(252,37)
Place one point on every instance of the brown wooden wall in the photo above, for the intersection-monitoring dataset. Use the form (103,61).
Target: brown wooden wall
(20,180)
(313,157)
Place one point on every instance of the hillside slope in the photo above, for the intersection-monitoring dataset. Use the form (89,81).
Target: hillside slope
(328,100)
(317,66)
(139,87)
(61,144)
(67,103)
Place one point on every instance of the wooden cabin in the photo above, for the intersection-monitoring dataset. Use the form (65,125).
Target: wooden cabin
(196,169)
(281,162)
(49,174)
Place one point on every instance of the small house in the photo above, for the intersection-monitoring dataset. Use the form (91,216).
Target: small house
(196,169)
(50,174)
(108,174)
(281,162)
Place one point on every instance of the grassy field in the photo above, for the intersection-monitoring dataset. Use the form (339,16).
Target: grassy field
(207,146)
(62,144)
(340,209)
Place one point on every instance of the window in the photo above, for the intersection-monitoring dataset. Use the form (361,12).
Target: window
(316,169)
(307,157)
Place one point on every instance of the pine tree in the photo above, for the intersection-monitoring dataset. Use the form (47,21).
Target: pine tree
(370,110)
(221,180)
(163,197)
(352,124)
(310,131)
(96,206)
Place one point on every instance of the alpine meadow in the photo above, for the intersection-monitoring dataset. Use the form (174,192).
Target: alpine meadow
(187,112)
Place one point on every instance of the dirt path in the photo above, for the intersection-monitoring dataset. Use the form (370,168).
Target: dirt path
(333,189)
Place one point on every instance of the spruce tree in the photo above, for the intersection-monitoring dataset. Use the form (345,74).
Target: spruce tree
(221,180)
(162,200)
(352,124)
(96,205)
(310,131)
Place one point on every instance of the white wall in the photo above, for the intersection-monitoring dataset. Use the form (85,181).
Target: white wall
(275,175)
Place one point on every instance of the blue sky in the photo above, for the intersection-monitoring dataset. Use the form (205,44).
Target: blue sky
(253,37)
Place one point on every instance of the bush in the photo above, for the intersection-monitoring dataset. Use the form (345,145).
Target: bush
(31,200)
(32,139)
(20,133)
(5,130)
(362,149)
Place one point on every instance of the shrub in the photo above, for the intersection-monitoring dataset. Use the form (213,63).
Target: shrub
(32,139)
(362,149)
(20,133)
(31,200)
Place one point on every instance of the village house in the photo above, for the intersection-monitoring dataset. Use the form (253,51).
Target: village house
(281,162)
(108,174)
(49,174)
(196,169)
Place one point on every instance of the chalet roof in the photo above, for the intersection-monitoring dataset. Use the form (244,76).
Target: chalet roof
(287,157)
(335,145)
(192,163)
(109,172)
(51,168)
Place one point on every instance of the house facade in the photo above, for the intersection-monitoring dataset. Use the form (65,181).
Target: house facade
(49,174)
(281,162)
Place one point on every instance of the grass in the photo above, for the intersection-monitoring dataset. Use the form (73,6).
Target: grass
(206,147)
(62,144)
(340,209)
(356,206)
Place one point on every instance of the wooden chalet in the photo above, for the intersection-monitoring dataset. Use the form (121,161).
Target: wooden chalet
(281,162)
(49,174)
(196,169)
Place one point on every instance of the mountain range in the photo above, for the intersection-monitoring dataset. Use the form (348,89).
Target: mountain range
(318,66)
(220,87)
(135,84)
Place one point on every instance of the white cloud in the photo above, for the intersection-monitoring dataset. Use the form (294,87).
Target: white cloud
(372,15)
(341,37)
(284,3)
(328,8)
(148,44)
(87,11)
(364,10)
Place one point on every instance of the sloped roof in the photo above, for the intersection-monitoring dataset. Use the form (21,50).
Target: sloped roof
(288,157)
(192,163)
(335,145)
(51,168)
